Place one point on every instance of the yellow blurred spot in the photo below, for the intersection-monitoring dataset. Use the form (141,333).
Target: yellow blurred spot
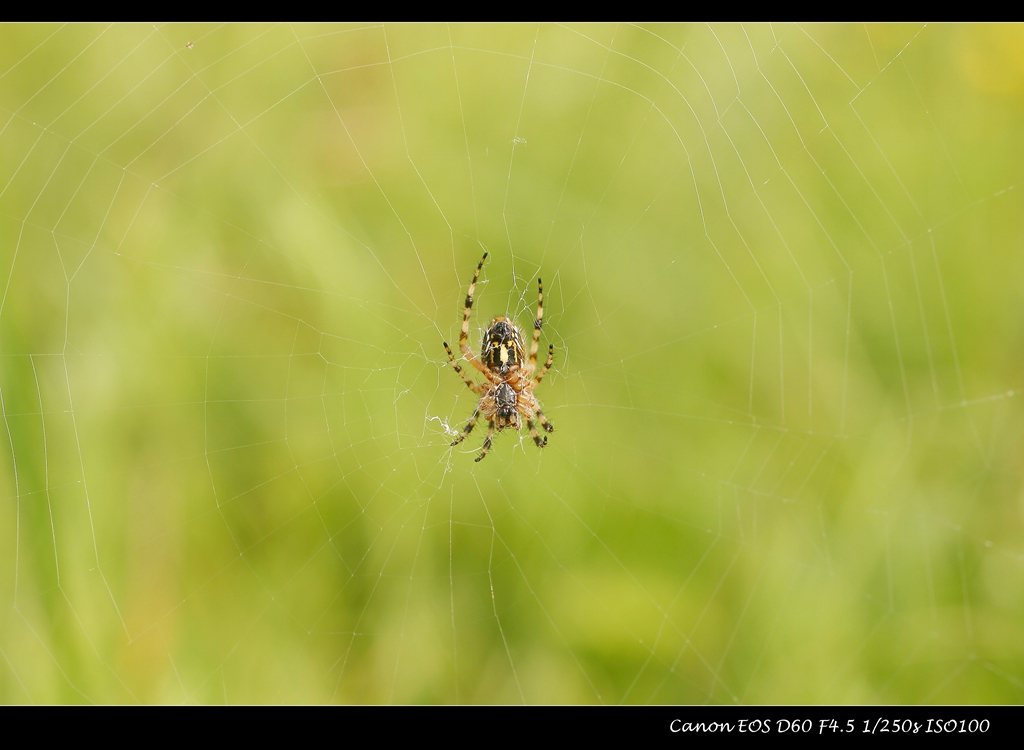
(992,58)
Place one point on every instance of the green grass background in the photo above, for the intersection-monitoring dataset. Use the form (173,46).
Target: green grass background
(783,272)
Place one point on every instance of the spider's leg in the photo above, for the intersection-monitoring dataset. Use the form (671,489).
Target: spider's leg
(548,427)
(537,323)
(547,365)
(535,435)
(469,427)
(487,440)
(451,358)
(464,335)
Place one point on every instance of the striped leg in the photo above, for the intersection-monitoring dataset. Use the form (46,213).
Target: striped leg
(548,427)
(469,428)
(464,336)
(535,435)
(487,442)
(547,365)
(451,358)
(537,323)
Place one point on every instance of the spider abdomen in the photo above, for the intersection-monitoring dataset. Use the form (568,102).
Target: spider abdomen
(502,347)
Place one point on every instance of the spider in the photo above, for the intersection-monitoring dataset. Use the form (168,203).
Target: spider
(506,396)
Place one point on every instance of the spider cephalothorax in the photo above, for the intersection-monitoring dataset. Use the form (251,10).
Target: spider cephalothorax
(506,396)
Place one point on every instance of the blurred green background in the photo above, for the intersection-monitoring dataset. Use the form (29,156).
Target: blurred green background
(783,277)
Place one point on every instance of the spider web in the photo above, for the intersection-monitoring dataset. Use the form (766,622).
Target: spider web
(778,267)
